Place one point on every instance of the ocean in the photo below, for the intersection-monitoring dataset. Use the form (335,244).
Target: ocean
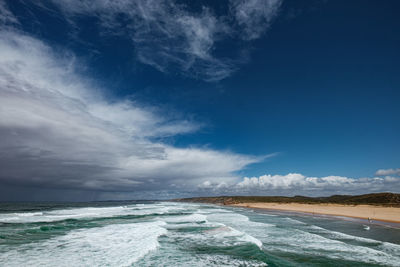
(185,234)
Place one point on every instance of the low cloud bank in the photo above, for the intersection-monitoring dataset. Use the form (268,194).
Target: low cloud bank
(298,184)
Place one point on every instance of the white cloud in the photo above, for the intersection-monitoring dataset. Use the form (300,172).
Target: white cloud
(254,16)
(383,172)
(57,129)
(295,183)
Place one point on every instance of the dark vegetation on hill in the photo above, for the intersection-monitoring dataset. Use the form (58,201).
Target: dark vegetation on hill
(382,199)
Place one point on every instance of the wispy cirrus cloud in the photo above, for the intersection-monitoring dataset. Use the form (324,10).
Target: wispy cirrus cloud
(172,38)
(6,16)
(254,16)
(58,130)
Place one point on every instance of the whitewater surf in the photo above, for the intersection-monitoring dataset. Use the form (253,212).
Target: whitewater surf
(185,234)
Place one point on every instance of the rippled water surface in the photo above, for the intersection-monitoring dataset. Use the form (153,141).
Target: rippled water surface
(181,234)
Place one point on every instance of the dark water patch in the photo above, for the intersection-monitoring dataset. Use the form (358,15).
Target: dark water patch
(9,207)
(243,251)
(28,233)
(294,259)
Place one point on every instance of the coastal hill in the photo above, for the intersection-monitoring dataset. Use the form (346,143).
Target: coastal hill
(381,199)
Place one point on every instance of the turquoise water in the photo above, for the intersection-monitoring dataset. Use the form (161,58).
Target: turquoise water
(182,234)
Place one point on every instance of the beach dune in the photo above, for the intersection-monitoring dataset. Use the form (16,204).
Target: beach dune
(372,212)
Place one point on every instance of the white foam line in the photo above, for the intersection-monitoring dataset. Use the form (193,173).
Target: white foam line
(387,247)
(113,245)
(79,213)
(187,218)
(302,242)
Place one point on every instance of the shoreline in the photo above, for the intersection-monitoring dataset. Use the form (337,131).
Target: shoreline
(382,214)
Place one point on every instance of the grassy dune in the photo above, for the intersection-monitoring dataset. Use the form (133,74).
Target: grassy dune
(380,199)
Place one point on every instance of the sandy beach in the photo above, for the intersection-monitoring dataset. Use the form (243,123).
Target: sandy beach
(379,213)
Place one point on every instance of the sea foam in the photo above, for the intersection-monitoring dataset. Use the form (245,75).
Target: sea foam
(112,245)
(82,213)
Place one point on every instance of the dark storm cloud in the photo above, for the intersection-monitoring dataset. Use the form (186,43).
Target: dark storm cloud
(58,130)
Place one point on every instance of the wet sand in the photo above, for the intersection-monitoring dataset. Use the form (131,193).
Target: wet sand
(379,213)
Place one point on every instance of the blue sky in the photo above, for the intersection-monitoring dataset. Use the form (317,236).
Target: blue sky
(188,98)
